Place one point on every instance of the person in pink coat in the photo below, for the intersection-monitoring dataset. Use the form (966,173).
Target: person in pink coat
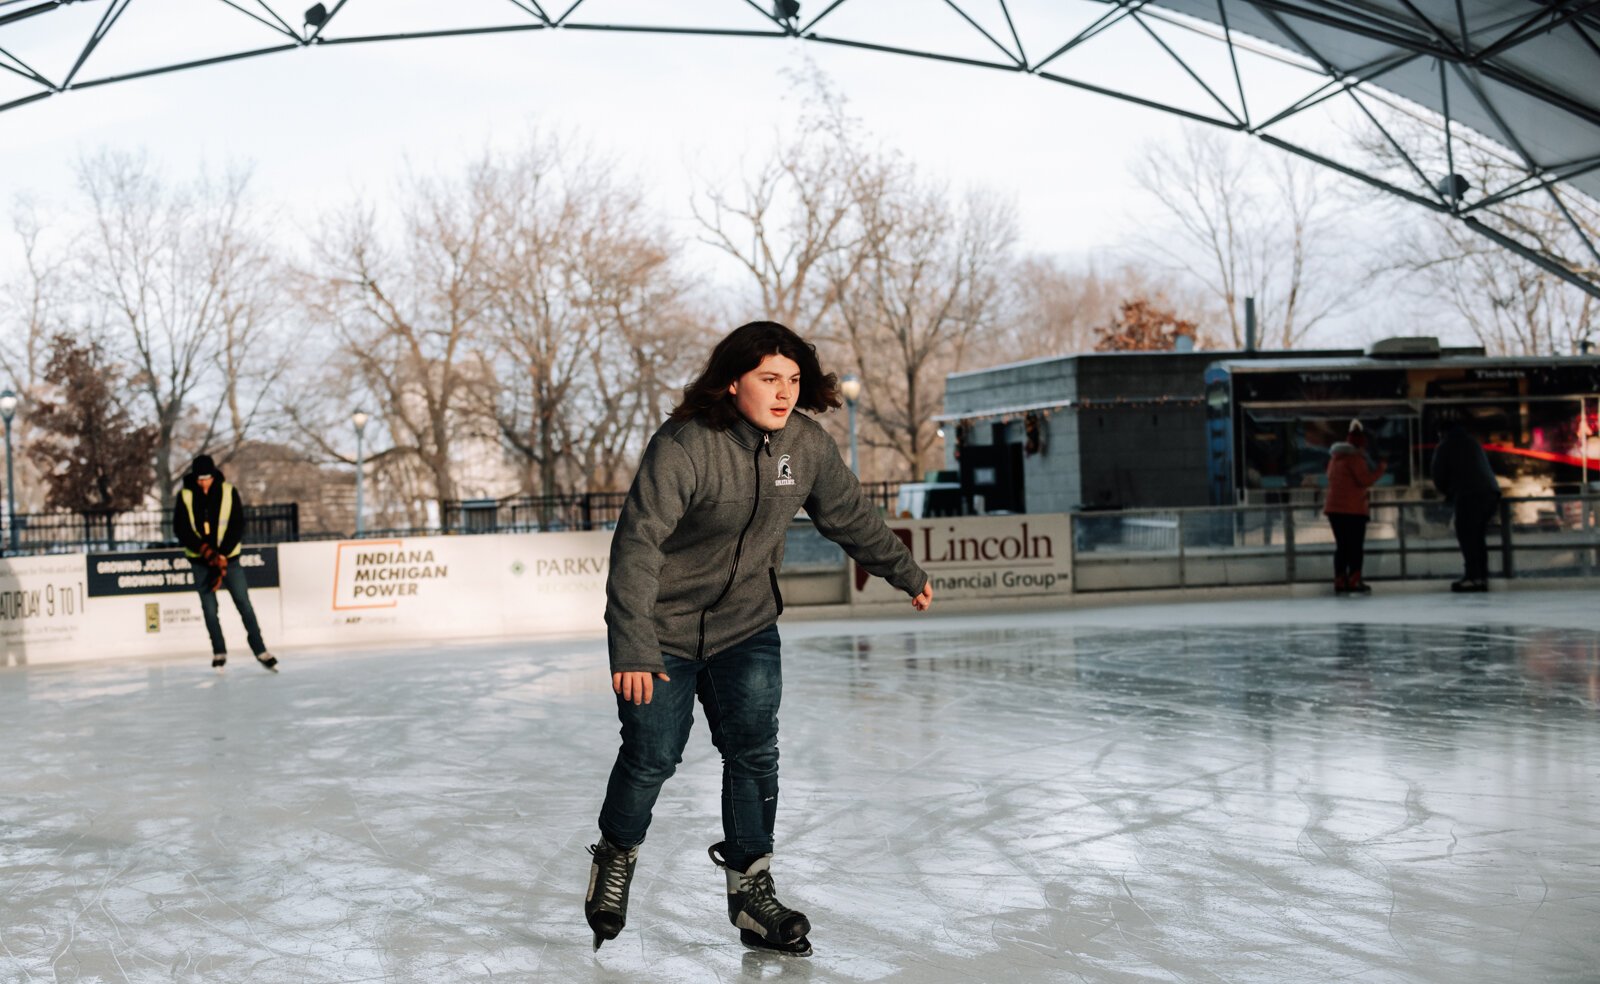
(1348,507)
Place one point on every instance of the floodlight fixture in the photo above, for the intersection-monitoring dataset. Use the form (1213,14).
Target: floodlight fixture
(1453,187)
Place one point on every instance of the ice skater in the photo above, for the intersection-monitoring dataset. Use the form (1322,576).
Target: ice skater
(208,520)
(1348,507)
(1461,472)
(692,603)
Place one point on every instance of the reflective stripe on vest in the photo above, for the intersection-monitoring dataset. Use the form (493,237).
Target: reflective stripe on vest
(187,495)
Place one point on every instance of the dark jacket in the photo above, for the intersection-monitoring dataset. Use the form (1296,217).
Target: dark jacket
(207,514)
(1461,470)
(699,543)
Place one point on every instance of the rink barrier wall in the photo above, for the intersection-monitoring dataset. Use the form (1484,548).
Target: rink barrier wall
(329,593)
(1243,546)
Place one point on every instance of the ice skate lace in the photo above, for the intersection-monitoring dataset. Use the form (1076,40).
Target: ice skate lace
(613,874)
(761,900)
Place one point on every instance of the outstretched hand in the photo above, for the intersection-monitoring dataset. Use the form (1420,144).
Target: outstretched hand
(636,686)
(923,600)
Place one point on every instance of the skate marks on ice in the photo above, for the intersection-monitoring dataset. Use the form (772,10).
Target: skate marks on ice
(1224,803)
(1038,803)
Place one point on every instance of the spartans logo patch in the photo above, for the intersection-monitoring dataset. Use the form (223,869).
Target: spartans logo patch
(785,474)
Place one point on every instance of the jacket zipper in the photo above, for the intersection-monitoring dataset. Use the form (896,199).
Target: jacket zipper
(738,548)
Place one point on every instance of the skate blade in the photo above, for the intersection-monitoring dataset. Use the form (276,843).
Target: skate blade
(760,944)
(601,936)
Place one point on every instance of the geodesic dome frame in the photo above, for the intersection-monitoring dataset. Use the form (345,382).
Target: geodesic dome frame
(1516,76)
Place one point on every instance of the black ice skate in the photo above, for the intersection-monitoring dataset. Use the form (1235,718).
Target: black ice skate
(764,922)
(610,874)
(268,661)
(218,661)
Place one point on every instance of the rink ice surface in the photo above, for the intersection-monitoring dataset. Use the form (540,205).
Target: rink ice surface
(1387,789)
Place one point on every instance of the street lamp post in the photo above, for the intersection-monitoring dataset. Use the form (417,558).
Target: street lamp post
(359,418)
(850,387)
(8,409)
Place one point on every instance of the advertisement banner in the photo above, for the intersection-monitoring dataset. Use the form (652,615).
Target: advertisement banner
(158,571)
(43,609)
(444,587)
(980,557)
(173,622)
(70,607)
(557,582)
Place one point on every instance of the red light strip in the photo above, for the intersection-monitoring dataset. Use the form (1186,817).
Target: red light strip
(1560,459)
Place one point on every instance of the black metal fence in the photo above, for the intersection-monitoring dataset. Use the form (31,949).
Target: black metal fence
(883,495)
(1541,536)
(104,532)
(70,532)
(532,513)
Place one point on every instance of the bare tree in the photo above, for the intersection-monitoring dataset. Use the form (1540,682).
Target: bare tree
(538,330)
(405,315)
(257,344)
(1244,227)
(842,242)
(927,286)
(580,280)
(1511,305)
(34,305)
(652,329)
(792,225)
(176,272)
(1056,308)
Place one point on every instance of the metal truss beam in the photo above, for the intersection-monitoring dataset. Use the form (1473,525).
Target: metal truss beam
(1407,30)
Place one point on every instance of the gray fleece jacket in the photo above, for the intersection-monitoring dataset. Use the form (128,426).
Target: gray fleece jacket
(698,546)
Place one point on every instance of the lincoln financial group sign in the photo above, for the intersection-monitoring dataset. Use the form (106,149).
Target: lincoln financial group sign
(982,557)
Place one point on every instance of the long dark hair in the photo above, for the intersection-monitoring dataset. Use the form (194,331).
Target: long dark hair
(707,397)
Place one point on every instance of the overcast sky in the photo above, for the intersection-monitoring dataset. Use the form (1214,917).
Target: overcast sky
(319,125)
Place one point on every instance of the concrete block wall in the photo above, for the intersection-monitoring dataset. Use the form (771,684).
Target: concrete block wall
(1131,456)
(1021,384)
(1143,458)
(1054,482)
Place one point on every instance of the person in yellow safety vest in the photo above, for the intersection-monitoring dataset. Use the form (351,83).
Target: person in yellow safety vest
(208,519)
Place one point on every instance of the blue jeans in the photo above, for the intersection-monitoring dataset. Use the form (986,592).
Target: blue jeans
(239,589)
(740,689)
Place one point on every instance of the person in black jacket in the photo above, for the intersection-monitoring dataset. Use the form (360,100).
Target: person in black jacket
(1461,472)
(692,603)
(208,519)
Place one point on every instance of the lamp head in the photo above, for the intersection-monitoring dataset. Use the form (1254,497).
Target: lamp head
(8,405)
(850,387)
